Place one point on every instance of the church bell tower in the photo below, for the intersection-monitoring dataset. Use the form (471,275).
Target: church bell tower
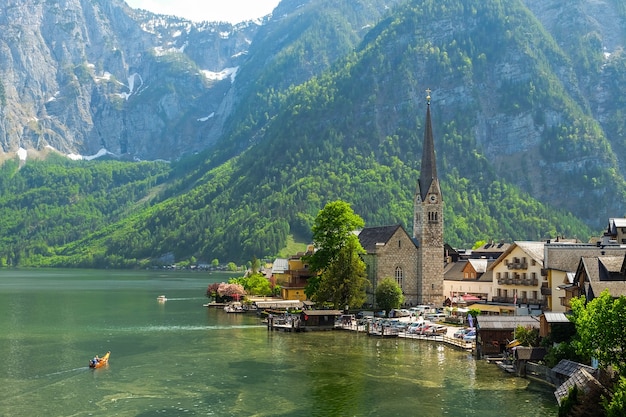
(428,223)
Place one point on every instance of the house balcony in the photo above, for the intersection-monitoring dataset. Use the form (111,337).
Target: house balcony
(295,283)
(510,300)
(517,265)
(297,274)
(519,281)
(546,291)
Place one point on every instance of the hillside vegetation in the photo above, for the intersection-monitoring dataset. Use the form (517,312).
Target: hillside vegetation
(521,152)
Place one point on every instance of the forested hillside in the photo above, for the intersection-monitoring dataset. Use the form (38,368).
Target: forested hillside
(326,112)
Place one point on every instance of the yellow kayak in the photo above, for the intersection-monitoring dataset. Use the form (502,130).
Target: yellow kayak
(100,362)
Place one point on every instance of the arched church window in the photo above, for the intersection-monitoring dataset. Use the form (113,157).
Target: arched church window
(399,276)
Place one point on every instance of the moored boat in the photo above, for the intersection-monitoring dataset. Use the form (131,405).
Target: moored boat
(97,362)
(235,307)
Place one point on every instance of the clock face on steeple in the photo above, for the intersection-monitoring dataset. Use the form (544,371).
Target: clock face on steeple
(432,198)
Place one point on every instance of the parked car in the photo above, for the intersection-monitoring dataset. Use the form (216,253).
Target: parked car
(470,336)
(420,310)
(462,332)
(399,313)
(436,329)
(436,317)
(416,328)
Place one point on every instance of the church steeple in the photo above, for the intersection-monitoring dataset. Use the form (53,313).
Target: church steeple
(428,222)
(428,170)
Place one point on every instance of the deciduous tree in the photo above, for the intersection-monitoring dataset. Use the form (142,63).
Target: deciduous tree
(600,329)
(333,228)
(389,294)
(344,281)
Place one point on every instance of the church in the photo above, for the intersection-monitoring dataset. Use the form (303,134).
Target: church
(415,262)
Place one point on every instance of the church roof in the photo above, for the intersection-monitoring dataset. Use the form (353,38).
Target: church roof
(371,236)
(428,170)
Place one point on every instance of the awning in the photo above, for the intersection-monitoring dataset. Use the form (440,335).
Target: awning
(492,308)
(513,343)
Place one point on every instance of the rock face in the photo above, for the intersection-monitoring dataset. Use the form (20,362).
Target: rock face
(81,76)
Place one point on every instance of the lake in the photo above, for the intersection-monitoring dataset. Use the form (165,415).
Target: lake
(179,358)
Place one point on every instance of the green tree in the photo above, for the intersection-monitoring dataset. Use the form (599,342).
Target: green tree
(616,406)
(527,336)
(332,230)
(600,329)
(389,294)
(215,263)
(344,281)
(257,284)
(255,265)
(231,266)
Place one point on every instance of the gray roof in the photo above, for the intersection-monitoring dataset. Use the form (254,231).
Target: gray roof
(532,249)
(454,272)
(370,236)
(566,256)
(581,378)
(280,265)
(602,272)
(556,318)
(614,223)
(567,367)
(507,322)
(479,265)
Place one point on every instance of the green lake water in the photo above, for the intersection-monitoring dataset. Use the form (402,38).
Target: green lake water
(179,358)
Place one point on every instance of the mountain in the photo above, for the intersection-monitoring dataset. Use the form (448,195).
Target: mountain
(80,76)
(326,102)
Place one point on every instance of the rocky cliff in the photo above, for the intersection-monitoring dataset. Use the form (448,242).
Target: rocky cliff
(83,76)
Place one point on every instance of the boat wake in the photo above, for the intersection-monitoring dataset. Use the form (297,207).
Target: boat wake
(67,371)
(188,328)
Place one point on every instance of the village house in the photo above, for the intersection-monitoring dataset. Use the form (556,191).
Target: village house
(468,280)
(517,277)
(596,274)
(292,275)
(561,261)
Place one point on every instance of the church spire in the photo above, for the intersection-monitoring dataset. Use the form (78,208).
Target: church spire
(428,170)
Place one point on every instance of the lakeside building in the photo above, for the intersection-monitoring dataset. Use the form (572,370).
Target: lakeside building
(561,262)
(517,277)
(292,275)
(390,253)
(468,277)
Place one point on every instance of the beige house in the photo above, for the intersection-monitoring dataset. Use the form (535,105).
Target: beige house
(470,277)
(517,275)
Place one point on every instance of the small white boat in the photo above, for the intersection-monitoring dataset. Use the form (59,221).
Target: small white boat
(235,307)
(161,299)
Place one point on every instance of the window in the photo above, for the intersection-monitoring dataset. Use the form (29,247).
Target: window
(399,243)
(399,276)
